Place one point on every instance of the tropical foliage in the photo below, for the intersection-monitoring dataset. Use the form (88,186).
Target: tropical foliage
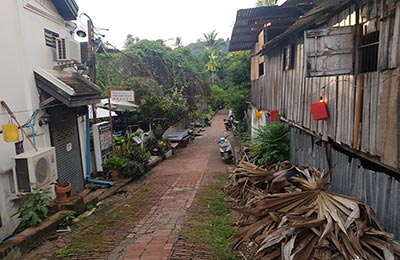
(265,2)
(271,144)
(169,81)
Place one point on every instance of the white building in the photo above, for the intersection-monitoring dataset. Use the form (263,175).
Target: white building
(34,85)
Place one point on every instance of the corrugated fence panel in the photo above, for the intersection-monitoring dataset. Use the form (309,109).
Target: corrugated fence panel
(380,191)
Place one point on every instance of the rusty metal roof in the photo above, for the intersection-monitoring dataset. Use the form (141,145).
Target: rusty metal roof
(311,19)
(249,23)
(72,89)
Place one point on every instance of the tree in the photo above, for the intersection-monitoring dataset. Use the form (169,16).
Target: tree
(178,42)
(165,80)
(211,39)
(265,3)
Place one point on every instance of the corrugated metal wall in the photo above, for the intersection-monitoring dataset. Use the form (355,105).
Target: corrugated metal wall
(349,177)
(292,93)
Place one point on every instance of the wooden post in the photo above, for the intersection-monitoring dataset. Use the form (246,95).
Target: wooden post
(92,62)
(3,103)
(359,103)
(111,124)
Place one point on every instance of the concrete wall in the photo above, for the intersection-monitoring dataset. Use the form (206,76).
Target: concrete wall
(22,24)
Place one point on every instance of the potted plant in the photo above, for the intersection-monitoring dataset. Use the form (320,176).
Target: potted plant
(113,165)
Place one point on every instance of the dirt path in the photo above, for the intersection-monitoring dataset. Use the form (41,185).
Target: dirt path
(145,220)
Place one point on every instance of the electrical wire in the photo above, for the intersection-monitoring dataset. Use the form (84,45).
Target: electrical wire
(115,68)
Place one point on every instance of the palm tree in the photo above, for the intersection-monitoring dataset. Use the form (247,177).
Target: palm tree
(178,42)
(211,40)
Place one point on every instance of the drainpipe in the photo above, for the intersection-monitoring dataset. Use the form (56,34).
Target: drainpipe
(3,239)
(88,168)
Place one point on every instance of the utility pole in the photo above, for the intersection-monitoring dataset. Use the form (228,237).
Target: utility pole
(91,62)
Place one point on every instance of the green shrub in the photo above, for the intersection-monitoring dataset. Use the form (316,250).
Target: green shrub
(114,163)
(271,144)
(34,210)
(133,169)
(158,146)
(137,164)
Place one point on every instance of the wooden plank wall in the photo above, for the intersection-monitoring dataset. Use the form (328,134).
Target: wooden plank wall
(290,92)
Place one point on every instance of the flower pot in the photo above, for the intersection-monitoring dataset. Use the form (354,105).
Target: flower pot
(63,192)
(114,174)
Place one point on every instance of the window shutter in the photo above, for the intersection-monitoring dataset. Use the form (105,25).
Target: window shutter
(329,51)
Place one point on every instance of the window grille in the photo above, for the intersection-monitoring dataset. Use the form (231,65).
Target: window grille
(50,38)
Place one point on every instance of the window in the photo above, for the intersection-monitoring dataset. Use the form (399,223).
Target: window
(50,38)
(369,46)
(329,51)
(260,69)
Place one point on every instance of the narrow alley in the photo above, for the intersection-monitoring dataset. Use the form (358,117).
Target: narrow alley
(144,220)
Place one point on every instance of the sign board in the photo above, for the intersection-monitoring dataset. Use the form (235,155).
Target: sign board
(102,143)
(122,95)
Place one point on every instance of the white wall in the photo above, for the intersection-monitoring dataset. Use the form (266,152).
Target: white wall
(22,24)
(257,123)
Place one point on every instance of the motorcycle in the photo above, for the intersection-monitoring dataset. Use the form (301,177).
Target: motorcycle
(226,150)
(230,124)
(206,122)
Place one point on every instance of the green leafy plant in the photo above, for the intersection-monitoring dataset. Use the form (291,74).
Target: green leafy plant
(137,164)
(114,163)
(69,219)
(34,210)
(123,145)
(133,169)
(158,146)
(271,144)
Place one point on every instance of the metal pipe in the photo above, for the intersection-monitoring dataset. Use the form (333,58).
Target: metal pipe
(6,237)
(88,168)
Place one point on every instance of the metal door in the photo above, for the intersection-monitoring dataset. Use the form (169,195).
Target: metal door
(65,139)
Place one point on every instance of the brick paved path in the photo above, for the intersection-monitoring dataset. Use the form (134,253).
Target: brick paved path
(145,219)
(156,234)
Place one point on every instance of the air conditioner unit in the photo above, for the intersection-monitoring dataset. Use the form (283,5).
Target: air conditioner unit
(35,170)
(68,50)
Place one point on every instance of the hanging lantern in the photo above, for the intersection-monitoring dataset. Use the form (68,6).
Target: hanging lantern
(259,114)
(10,133)
(319,110)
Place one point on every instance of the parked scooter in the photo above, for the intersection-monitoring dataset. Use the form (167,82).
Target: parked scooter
(226,150)
(206,122)
(230,124)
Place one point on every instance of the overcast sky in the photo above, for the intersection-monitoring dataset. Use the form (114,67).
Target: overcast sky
(160,19)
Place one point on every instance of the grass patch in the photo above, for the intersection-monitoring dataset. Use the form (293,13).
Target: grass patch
(71,252)
(213,227)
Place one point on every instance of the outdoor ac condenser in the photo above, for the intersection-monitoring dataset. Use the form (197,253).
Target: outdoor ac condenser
(68,50)
(35,170)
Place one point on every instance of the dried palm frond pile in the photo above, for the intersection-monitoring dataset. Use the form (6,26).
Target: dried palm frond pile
(249,180)
(311,223)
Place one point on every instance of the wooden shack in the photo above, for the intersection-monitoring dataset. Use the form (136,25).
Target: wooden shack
(345,54)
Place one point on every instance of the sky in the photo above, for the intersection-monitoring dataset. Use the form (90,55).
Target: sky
(160,19)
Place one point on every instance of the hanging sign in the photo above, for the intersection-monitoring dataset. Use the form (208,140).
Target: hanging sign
(319,111)
(122,95)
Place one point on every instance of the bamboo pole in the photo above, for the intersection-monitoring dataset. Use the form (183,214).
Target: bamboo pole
(4,104)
